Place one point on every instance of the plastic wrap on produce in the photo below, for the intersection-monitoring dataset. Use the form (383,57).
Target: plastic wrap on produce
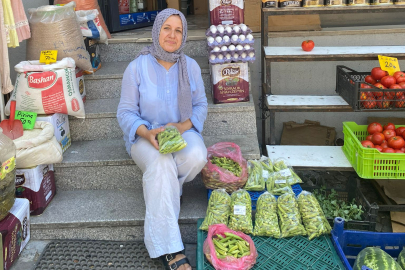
(255,180)
(170,140)
(240,218)
(266,220)
(219,208)
(289,214)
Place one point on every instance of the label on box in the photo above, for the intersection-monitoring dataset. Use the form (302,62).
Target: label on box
(60,123)
(280,181)
(285,172)
(265,174)
(239,210)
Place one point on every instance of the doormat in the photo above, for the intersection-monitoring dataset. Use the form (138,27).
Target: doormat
(96,255)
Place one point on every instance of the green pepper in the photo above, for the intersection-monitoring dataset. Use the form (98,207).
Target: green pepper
(241,222)
(255,180)
(170,140)
(219,207)
(266,223)
(290,219)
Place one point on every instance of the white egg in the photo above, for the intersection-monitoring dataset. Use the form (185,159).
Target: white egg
(243,27)
(210,39)
(239,47)
(228,56)
(220,28)
(228,29)
(251,54)
(235,37)
(235,55)
(236,29)
(213,29)
(218,39)
(212,57)
(247,47)
(216,49)
(231,47)
(249,37)
(220,57)
(224,48)
(242,37)
(225,38)
(243,55)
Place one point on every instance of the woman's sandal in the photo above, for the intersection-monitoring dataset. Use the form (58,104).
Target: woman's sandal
(171,256)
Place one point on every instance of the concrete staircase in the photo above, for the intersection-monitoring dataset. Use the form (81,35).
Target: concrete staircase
(99,187)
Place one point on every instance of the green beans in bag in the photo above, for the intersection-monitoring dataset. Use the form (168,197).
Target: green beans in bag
(280,164)
(240,218)
(266,222)
(219,208)
(312,215)
(266,164)
(227,164)
(255,180)
(289,214)
(170,140)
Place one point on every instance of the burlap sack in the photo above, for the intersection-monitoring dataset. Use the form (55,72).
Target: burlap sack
(56,28)
(87,5)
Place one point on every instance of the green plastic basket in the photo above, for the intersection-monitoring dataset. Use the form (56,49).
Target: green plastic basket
(294,253)
(369,163)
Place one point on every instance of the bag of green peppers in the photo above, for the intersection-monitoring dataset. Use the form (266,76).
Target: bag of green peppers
(289,214)
(255,180)
(281,179)
(281,191)
(170,140)
(219,208)
(312,215)
(266,222)
(280,164)
(240,218)
(266,164)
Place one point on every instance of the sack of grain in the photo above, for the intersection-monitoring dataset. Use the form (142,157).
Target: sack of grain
(56,28)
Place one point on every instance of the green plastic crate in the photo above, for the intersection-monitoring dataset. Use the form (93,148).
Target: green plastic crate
(369,163)
(294,253)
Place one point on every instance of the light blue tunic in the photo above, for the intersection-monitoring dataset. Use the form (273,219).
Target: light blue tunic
(149,97)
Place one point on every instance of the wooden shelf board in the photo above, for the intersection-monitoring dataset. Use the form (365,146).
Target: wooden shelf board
(307,103)
(333,10)
(311,157)
(324,53)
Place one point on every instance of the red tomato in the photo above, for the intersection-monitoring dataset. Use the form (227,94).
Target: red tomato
(388,134)
(374,127)
(388,150)
(389,126)
(387,81)
(368,138)
(307,45)
(400,78)
(383,102)
(370,79)
(400,103)
(364,85)
(402,149)
(399,131)
(399,94)
(403,134)
(379,85)
(378,94)
(384,144)
(398,73)
(395,86)
(399,151)
(402,84)
(367,144)
(389,95)
(378,147)
(377,73)
(369,102)
(377,138)
(396,142)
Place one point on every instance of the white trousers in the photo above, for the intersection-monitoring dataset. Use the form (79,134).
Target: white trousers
(163,178)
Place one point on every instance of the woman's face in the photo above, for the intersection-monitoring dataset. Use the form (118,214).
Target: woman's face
(171,34)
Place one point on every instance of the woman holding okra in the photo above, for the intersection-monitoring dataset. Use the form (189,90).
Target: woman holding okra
(163,86)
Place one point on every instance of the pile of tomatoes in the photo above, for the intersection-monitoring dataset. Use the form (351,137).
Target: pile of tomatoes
(383,99)
(386,139)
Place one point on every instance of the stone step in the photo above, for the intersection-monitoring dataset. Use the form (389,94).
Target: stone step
(105,164)
(111,215)
(101,121)
(106,82)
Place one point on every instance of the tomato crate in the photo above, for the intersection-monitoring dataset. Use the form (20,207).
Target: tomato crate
(254,195)
(348,86)
(294,253)
(348,194)
(348,244)
(369,163)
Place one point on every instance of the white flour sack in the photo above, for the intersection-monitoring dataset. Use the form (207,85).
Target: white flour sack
(47,89)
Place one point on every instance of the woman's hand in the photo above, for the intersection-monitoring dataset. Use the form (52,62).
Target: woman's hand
(150,135)
(182,127)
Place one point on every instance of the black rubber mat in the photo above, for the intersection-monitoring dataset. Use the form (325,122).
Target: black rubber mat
(96,255)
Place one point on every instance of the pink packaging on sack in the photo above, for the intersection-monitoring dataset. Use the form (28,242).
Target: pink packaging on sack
(226,12)
(230,83)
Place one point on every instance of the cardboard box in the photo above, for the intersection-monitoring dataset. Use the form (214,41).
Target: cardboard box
(173,4)
(226,12)
(200,7)
(279,23)
(60,123)
(94,52)
(37,185)
(80,83)
(15,231)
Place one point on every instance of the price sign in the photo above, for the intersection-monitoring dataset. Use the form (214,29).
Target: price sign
(48,56)
(389,64)
(27,118)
